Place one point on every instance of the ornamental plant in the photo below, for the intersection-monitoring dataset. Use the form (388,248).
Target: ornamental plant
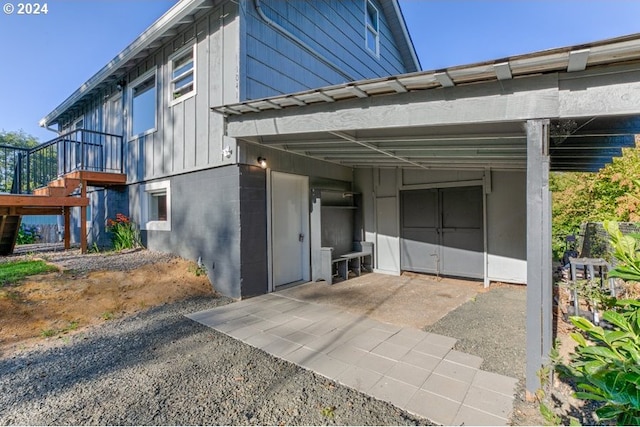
(124,233)
(27,234)
(606,362)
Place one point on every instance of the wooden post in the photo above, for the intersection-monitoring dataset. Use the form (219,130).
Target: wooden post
(83,218)
(539,283)
(67,227)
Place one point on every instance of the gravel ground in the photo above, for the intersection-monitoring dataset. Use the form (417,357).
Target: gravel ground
(160,368)
(120,261)
(498,336)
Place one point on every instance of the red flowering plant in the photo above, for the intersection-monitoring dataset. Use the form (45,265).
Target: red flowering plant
(124,233)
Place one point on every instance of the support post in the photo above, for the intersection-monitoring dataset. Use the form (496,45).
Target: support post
(83,219)
(67,227)
(539,274)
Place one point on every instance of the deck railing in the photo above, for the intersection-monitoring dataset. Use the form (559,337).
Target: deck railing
(23,170)
(9,160)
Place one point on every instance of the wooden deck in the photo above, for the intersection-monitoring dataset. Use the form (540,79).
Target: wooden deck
(62,194)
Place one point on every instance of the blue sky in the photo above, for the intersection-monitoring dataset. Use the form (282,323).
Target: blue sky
(45,58)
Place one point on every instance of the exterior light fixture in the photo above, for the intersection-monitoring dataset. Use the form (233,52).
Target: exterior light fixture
(262,162)
(226,152)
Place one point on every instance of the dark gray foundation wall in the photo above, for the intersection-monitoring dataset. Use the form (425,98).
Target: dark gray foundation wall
(253,231)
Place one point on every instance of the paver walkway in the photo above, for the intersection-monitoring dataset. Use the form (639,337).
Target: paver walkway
(412,369)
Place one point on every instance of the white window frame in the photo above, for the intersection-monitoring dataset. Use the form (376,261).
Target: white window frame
(171,80)
(129,113)
(146,195)
(368,28)
(78,123)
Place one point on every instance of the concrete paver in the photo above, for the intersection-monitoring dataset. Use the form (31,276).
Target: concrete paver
(414,370)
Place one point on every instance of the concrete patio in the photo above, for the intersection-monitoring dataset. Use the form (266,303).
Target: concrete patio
(414,370)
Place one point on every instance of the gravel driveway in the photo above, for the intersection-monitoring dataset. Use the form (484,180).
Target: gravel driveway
(161,368)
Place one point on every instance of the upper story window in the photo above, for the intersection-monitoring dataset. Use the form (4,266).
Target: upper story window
(143,105)
(182,66)
(372,33)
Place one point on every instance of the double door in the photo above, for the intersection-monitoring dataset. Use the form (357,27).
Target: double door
(442,231)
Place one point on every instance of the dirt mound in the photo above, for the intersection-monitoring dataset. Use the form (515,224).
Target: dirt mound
(51,306)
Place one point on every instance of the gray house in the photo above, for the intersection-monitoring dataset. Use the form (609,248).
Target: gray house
(452,166)
(192,190)
(267,137)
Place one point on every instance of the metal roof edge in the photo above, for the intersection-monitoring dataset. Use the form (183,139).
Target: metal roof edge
(407,36)
(146,38)
(358,87)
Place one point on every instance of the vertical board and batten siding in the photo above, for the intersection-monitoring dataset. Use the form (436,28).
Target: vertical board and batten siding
(188,137)
(275,64)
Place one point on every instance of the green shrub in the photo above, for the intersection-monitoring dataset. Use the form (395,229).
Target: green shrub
(27,234)
(124,233)
(606,362)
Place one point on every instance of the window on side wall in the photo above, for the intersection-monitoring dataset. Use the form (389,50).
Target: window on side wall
(156,206)
(182,67)
(142,108)
(372,33)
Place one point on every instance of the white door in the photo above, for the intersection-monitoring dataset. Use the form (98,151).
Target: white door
(289,228)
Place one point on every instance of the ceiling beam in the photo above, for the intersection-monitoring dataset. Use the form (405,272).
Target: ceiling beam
(372,147)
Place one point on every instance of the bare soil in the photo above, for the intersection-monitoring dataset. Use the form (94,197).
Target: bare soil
(44,308)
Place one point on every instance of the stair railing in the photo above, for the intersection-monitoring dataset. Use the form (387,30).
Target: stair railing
(78,150)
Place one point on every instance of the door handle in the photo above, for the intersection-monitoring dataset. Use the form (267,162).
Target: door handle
(301,237)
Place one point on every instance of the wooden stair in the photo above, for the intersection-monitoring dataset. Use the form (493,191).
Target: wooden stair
(57,198)
(61,187)
(9,226)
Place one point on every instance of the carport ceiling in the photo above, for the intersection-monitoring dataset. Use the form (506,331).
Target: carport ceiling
(575,145)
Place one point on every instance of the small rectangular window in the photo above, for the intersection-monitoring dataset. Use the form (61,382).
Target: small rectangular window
(158,206)
(143,105)
(182,74)
(372,33)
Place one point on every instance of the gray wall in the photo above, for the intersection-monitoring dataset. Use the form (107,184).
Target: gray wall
(283,161)
(505,207)
(205,222)
(188,136)
(507,227)
(105,204)
(275,64)
(253,230)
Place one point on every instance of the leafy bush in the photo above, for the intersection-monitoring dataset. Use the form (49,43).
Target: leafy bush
(606,362)
(124,233)
(606,368)
(625,251)
(610,194)
(27,234)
